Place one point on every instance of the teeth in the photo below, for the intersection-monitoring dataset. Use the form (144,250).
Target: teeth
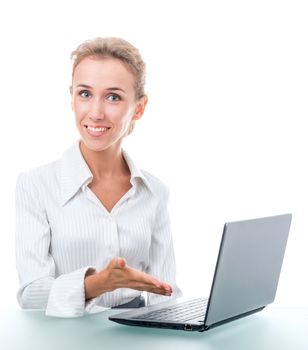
(97,129)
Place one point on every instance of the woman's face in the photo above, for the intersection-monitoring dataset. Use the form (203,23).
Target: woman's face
(104,101)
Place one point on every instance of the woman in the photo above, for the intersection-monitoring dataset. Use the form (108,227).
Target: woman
(92,228)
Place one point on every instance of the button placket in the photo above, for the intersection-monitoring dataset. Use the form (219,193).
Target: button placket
(115,234)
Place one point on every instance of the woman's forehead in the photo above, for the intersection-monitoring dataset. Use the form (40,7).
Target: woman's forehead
(106,71)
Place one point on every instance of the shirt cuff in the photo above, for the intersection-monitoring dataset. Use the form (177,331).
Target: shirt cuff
(67,295)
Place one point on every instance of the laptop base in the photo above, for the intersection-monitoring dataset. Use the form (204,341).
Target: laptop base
(178,326)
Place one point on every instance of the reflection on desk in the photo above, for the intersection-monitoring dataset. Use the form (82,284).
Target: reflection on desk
(271,329)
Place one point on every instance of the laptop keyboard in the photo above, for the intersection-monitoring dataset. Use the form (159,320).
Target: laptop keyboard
(182,312)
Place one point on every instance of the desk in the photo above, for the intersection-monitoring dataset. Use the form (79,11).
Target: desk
(271,329)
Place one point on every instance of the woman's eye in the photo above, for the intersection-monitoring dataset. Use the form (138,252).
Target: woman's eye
(114,98)
(84,93)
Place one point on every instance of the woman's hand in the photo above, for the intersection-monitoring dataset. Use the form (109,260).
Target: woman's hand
(119,275)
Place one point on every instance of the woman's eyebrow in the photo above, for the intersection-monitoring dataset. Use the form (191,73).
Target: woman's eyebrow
(116,88)
(84,85)
(109,89)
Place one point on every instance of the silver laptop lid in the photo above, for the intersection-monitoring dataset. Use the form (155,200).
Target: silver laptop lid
(248,267)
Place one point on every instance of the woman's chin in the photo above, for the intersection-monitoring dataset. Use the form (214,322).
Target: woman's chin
(97,145)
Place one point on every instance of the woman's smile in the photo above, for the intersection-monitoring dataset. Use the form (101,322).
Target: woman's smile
(97,131)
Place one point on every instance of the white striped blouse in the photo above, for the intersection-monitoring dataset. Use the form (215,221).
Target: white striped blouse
(62,230)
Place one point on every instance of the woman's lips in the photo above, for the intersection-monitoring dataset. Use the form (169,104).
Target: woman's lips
(97,131)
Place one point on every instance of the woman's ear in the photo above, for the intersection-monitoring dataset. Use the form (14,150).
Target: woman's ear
(141,104)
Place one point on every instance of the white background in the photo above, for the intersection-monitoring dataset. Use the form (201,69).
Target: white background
(225,127)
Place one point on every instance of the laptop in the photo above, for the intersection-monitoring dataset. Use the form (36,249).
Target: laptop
(245,280)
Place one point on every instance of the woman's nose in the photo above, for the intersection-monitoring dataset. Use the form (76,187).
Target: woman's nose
(97,110)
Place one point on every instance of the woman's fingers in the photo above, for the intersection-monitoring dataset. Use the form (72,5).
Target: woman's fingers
(142,281)
(150,289)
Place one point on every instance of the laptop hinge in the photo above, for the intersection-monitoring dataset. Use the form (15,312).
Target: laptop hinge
(206,327)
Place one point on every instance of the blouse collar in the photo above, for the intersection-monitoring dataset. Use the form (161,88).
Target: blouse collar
(75,173)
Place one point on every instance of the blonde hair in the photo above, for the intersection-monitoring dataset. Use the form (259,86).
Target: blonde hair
(116,48)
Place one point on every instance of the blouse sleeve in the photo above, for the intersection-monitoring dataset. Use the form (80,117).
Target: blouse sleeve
(162,259)
(63,296)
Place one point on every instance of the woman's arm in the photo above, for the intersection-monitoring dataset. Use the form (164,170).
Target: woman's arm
(39,289)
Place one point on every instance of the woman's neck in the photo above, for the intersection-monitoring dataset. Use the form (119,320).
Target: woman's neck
(106,164)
